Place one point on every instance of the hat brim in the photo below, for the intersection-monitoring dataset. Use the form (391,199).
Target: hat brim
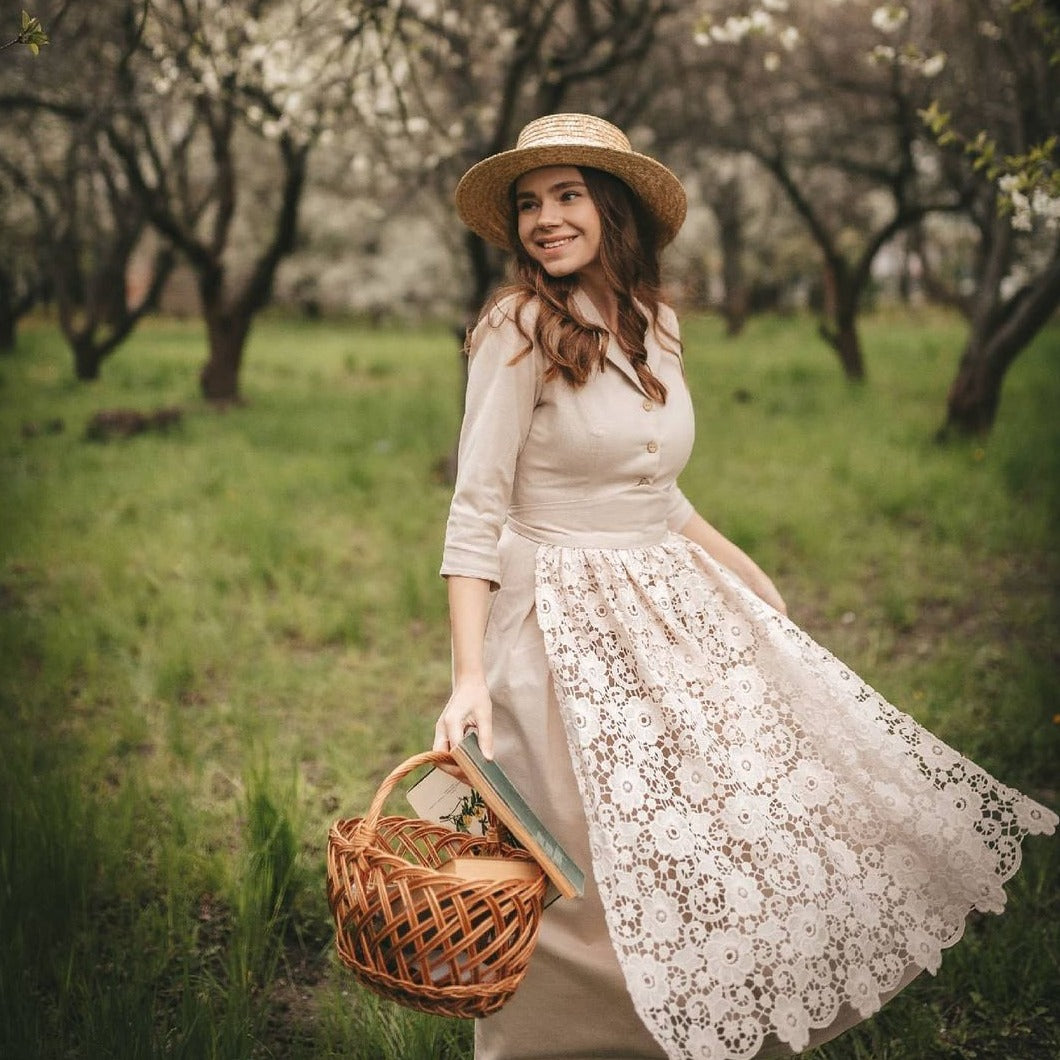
(482,196)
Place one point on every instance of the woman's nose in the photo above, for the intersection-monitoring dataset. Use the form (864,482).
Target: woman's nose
(548,215)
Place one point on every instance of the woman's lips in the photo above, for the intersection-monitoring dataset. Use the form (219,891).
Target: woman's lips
(554,244)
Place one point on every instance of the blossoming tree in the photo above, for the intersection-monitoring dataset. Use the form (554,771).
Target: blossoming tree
(252,87)
(211,109)
(997,122)
(71,219)
(976,89)
(797,88)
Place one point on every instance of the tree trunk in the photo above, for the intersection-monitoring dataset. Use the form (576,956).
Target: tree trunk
(840,331)
(87,358)
(484,277)
(227,335)
(7,326)
(8,311)
(975,393)
(728,206)
(847,343)
(735,307)
(995,341)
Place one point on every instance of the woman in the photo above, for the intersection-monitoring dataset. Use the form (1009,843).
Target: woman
(774,849)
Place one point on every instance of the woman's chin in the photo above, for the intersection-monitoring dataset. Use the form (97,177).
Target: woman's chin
(557,269)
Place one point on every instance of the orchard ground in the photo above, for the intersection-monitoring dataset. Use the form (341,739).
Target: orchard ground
(218,637)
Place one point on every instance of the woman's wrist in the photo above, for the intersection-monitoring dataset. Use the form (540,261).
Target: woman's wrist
(469,679)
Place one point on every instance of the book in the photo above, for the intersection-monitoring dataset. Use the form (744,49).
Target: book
(442,798)
(481,867)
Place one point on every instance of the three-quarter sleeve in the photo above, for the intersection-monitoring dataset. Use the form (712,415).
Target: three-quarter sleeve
(498,410)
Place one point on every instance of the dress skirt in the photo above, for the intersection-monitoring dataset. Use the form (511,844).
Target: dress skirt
(771,849)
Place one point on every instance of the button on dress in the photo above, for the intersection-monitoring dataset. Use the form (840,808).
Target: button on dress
(771,849)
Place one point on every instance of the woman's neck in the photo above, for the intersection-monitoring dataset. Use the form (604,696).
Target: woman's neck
(602,295)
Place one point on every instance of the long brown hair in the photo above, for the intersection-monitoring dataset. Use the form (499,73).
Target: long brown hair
(629,255)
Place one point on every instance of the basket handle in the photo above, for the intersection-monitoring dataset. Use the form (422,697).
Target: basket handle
(367,828)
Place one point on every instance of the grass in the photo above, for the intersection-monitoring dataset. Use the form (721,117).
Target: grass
(215,641)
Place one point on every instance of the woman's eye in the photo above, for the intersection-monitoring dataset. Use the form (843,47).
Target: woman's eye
(569,196)
(526,205)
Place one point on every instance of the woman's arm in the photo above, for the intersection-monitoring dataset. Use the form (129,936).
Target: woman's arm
(498,413)
(469,705)
(734,559)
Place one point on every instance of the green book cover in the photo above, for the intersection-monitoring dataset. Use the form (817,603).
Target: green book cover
(502,796)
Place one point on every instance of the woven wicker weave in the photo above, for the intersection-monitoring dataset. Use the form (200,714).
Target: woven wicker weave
(420,936)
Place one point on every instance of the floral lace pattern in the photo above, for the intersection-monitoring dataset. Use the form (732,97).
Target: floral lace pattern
(771,838)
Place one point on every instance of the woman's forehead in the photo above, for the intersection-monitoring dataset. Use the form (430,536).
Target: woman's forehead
(546,177)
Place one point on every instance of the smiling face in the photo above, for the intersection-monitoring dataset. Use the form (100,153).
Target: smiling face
(558,223)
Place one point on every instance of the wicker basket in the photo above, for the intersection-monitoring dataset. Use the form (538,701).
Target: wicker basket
(420,936)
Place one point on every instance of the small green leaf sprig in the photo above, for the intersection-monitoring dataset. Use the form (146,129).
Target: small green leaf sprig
(31,34)
(1028,184)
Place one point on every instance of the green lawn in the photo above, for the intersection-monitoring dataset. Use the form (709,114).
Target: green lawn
(216,640)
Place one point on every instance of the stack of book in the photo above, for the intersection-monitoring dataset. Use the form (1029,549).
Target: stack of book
(444,799)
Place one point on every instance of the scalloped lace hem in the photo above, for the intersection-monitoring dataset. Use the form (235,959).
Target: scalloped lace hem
(772,839)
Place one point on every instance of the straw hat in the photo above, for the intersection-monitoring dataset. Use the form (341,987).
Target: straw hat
(482,196)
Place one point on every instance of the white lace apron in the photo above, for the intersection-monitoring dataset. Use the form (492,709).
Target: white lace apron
(771,839)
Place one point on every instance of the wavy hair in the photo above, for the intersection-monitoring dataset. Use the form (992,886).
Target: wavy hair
(629,254)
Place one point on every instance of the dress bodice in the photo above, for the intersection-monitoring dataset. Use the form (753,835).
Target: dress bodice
(591,466)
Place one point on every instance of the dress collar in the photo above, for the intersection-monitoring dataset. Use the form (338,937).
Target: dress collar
(614,352)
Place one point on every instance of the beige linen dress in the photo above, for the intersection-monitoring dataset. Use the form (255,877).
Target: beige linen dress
(771,849)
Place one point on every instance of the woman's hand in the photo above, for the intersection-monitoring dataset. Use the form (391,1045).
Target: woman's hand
(469,707)
(761,586)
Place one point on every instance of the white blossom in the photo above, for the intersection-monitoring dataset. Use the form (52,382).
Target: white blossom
(933,65)
(889,18)
(1013,282)
(1022,215)
(208,80)
(733,30)
(761,21)
(792,1022)
(1045,205)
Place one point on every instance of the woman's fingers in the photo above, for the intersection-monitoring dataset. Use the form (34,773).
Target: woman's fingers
(465,711)
(485,733)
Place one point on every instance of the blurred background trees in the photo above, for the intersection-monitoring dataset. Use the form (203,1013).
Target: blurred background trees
(208,111)
(86,222)
(836,152)
(997,118)
(480,71)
